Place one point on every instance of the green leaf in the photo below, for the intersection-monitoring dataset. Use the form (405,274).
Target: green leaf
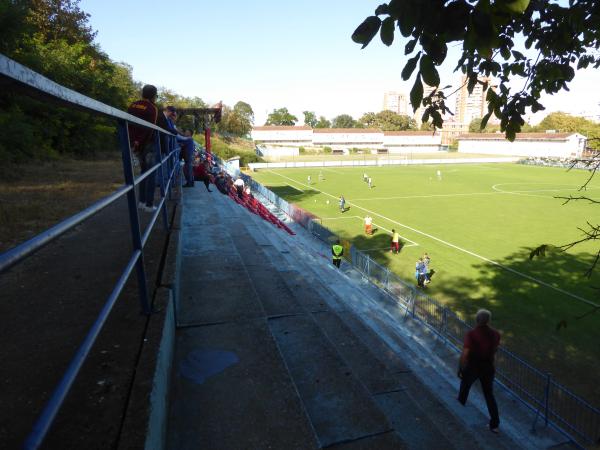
(429,72)
(365,32)
(382,9)
(387,31)
(484,120)
(410,46)
(416,93)
(425,116)
(410,66)
(518,6)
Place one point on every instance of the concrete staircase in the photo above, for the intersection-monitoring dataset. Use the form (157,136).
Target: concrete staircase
(276,348)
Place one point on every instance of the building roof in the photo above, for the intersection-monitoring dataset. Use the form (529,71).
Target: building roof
(520,136)
(281,128)
(410,133)
(346,130)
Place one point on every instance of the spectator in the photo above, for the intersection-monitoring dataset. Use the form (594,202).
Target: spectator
(166,120)
(420,272)
(477,362)
(143,144)
(221,183)
(201,174)
(239,187)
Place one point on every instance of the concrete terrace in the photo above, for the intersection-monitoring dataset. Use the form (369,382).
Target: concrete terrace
(275,348)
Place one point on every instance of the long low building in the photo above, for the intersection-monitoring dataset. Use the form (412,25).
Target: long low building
(555,145)
(270,138)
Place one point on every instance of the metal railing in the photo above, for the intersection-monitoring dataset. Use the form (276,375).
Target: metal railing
(552,401)
(167,171)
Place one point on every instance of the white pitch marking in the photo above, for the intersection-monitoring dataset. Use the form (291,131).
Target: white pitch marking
(495,263)
(432,196)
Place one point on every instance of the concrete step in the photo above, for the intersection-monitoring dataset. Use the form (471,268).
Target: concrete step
(339,406)
(232,390)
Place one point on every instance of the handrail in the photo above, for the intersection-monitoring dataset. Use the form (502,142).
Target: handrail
(167,170)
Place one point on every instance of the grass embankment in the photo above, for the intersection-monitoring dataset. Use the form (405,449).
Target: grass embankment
(478,223)
(35,196)
(228,147)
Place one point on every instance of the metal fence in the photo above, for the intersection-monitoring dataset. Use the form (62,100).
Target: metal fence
(551,401)
(168,173)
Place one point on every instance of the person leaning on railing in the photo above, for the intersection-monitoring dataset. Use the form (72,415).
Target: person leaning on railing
(166,120)
(142,144)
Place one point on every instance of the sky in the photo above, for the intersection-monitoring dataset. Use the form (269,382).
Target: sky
(273,54)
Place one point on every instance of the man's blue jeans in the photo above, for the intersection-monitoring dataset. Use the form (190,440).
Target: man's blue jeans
(187,147)
(147,185)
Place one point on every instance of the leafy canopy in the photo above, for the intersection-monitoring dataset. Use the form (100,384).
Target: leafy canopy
(388,121)
(562,38)
(343,121)
(281,116)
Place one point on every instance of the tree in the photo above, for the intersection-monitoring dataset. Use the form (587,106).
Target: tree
(310,119)
(343,121)
(564,37)
(54,38)
(323,123)
(281,116)
(388,121)
(563,122)
(475,127)
(237,121)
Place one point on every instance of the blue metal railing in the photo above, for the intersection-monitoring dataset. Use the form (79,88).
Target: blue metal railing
(569,414)
(168,170)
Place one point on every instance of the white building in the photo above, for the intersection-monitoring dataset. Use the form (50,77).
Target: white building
(396,102)
(344,138)
(411,141)
(277,141)
(557,145)
(282,135)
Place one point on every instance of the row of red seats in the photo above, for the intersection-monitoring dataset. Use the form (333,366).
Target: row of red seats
(256,207)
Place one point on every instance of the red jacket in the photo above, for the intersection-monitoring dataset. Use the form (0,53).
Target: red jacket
(139,137)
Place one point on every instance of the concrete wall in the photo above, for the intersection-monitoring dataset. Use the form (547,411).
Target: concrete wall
(278,151)
(560,148)
(298,137)
(384,161)
(348,140)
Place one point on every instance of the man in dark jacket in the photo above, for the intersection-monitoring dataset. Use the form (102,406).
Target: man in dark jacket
(477,362)
(143,144)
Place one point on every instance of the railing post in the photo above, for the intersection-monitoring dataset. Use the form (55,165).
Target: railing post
(414,303)
(387,279)
(134,220)
(164,213)
(547,397)
(444,329)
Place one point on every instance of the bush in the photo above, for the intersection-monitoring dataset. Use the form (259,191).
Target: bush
(302,150)
(453,147)
(327,150)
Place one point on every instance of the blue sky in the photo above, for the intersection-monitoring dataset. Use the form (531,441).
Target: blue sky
(271,54)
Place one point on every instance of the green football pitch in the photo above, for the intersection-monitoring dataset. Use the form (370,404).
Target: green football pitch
(478,223)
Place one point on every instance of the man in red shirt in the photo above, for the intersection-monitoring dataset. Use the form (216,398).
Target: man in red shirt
(143,143)
(477,362)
